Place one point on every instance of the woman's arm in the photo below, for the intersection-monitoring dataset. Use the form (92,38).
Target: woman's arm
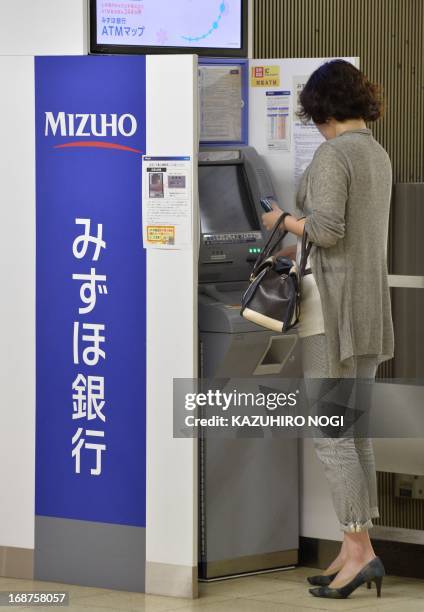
(325,225)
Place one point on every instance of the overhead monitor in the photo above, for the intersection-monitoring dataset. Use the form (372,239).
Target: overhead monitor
(226,204)
(205,27)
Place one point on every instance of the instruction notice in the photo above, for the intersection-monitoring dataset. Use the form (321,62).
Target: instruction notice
(167,214)
(278,120)
(221,103)
(306,136)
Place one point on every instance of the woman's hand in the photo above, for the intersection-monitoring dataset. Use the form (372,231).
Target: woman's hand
(270,219)
(291,224)
(289,251)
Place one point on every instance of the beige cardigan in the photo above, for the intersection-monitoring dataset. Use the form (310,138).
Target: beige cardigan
(345,194)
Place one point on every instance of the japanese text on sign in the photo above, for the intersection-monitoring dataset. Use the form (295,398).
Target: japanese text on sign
(88,390)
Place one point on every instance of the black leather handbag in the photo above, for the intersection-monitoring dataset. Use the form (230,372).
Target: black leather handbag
(272,299)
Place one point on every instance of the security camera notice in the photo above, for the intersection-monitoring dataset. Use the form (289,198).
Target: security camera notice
(279,407)
(167,203)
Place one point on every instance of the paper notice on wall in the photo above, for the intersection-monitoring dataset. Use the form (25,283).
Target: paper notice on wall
(306,136)
(221,103)
(299,83)
(167,210)
(278,120)
(306,141)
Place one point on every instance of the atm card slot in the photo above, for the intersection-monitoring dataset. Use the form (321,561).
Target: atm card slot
(217,261)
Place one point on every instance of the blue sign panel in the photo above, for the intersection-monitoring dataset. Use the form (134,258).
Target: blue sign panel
(91,286)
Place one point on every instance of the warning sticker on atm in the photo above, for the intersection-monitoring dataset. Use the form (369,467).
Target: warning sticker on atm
(161,234)
(265,76)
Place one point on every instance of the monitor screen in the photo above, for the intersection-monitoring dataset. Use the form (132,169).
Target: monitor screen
(225,202)
(169,24)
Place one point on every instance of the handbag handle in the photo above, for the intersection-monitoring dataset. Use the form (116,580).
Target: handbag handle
(304,253)
(269,246)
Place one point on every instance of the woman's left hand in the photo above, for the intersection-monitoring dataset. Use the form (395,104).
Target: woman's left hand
(270,219)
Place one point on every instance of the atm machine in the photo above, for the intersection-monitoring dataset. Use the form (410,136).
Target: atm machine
(248,488)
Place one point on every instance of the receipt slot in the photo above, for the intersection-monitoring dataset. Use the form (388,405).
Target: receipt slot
(248,487)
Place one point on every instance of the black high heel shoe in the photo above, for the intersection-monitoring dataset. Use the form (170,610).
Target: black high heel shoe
(372,572)
(324,580)
(321,579)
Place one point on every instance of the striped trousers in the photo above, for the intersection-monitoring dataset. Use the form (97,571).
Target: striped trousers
(348,461)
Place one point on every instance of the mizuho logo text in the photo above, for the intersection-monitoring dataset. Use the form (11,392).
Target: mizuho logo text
(88,125)
(85,125)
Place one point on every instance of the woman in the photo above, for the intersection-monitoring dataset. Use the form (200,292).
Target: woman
(346,325)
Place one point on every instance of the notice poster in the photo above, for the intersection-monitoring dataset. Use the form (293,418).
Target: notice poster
(221,103)
(306,136)
(299,83)
(278,120)
(167,215)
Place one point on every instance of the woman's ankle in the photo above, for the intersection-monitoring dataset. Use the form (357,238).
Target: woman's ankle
(336,564)
(360,555)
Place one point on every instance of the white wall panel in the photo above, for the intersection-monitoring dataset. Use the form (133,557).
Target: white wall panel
(17,302)
(43,27)
(172,326)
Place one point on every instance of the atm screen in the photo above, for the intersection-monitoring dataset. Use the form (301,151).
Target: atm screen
(225,202)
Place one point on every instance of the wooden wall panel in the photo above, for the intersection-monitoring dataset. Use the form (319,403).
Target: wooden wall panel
(388,36)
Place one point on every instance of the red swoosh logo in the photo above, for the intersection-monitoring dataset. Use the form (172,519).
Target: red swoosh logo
(96,144)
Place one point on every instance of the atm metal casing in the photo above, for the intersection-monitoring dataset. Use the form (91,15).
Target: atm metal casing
(248,487)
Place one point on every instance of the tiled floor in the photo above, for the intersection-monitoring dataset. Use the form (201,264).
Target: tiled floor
(285,591)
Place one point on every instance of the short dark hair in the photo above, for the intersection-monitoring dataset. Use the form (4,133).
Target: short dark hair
(338,90)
